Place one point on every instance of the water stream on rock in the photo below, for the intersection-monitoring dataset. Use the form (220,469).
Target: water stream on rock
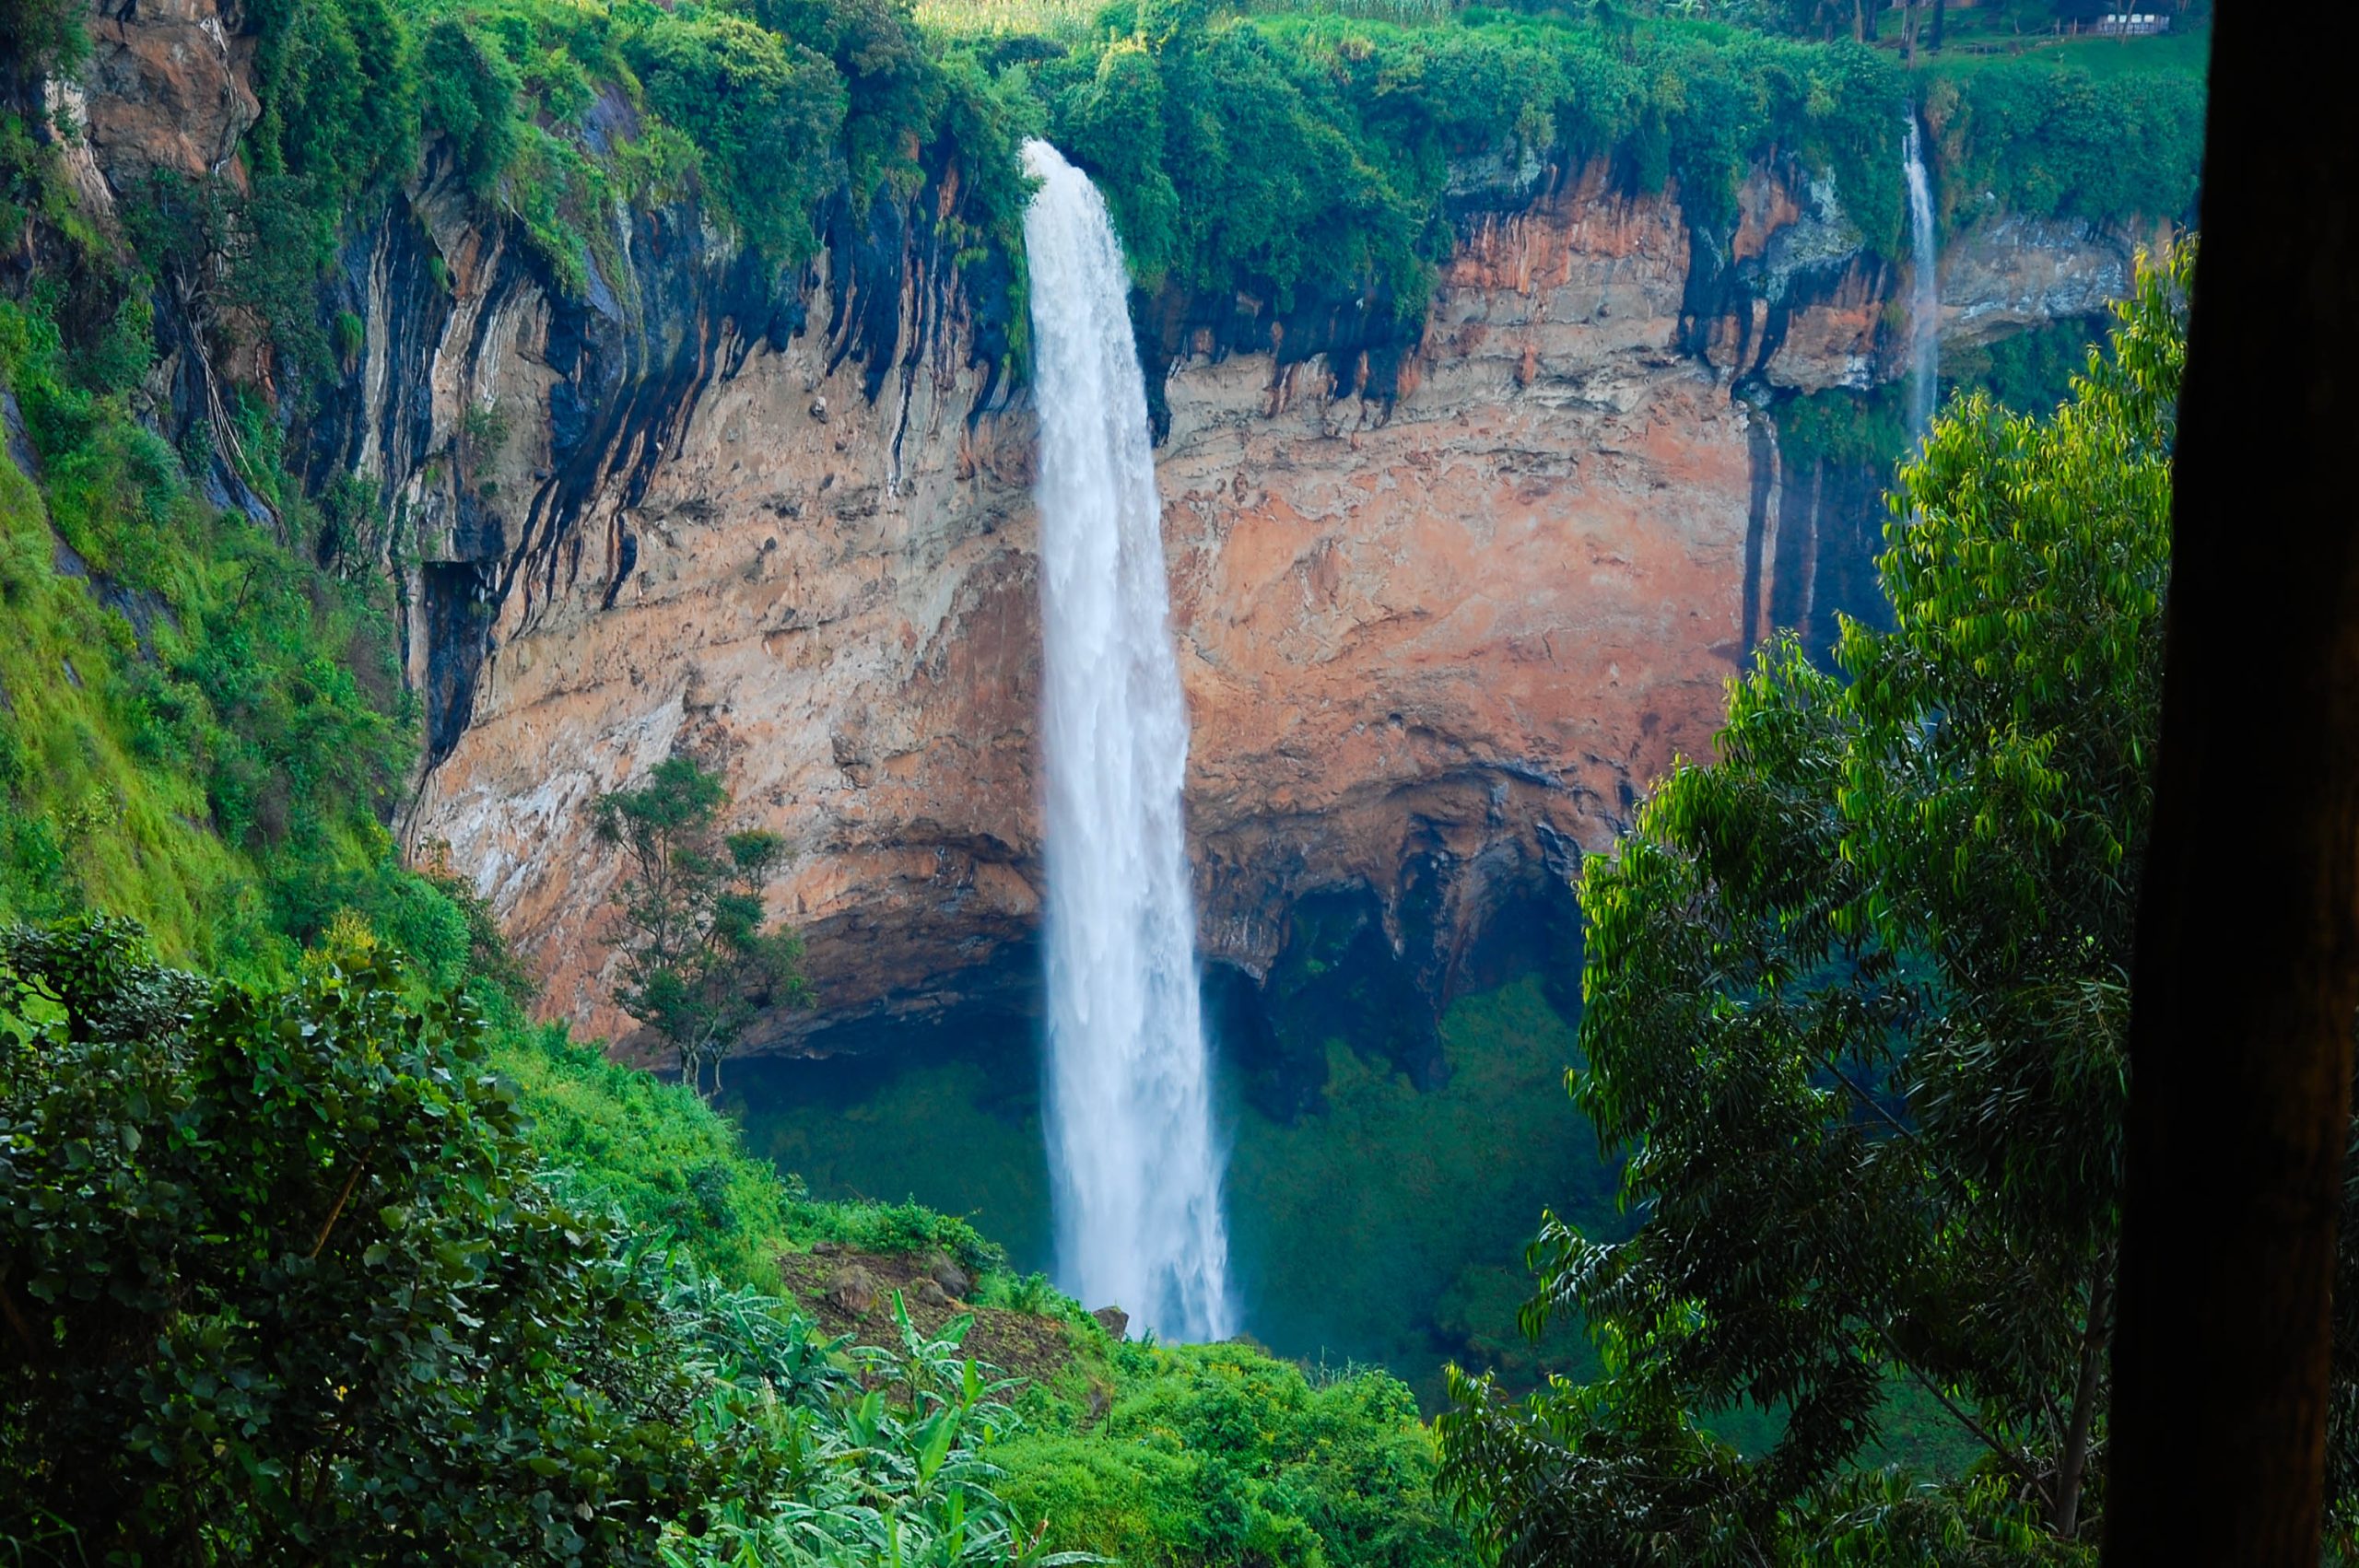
(1135,1168)
(1925,295)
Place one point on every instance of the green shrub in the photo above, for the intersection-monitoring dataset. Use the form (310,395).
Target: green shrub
(652,1152)
(294,1277)
(1221,1454)
(2028,136)
(290,1277)
(337,83)
(767,111)
(468,91)
(893,1227)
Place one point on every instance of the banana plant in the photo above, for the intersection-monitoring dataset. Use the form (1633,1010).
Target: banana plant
(873,1455)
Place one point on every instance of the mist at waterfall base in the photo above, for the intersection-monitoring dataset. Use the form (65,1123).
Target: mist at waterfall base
(1128,1105)
(1924,293)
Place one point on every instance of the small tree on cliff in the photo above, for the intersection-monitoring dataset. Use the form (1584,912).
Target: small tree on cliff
(697,964)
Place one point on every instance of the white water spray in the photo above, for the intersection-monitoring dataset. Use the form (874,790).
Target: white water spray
(1128,1100)
(1925,293)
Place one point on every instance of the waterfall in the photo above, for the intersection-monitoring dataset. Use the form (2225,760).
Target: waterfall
(1924,295)
(1129,1083)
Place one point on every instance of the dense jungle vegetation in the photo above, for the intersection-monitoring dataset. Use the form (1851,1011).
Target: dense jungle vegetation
(336,1268)
(315,1249)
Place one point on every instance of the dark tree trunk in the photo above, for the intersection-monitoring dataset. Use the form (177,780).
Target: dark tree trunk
(2072,1463)
(2248,952)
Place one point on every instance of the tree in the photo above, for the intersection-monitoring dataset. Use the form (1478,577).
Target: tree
(2248,966)
(697,964)
(1856,999)
(278,1284)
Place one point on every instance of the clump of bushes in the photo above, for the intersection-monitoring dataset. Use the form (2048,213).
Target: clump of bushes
(1221,1454)
(2024,136)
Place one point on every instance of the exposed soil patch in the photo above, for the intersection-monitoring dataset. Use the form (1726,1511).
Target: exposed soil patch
(1018,1343)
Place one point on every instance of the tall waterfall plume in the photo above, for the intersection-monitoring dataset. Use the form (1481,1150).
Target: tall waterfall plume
(1925,292)
(1136,1167)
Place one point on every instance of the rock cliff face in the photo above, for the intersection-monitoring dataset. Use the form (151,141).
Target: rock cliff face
(1447,596)
(1436,633)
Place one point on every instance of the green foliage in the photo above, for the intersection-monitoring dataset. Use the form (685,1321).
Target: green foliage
(468,92)
(338,89)
(1856,996)
(281,1273)
(369,1331)
(280,1280)
(894,1227)
(697,965)
(767,111)
(2033,136)
(2029,372)
(1220,1453)
(1312,154)
(207,728)
(884,1453)
(654,1153)
(892,88)
(338,86)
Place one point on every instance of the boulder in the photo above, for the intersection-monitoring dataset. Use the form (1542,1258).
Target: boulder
(1114,1320)
(948,1275)
(851,1291)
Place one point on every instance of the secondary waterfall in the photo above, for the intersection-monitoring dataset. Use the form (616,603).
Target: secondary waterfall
(1925,293)
(1129,1083)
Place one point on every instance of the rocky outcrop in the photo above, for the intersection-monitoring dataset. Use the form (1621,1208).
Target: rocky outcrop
(1450,589)
(166,88)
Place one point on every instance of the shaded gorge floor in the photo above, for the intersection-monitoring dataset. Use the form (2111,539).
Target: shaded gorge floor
(1386,1168)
